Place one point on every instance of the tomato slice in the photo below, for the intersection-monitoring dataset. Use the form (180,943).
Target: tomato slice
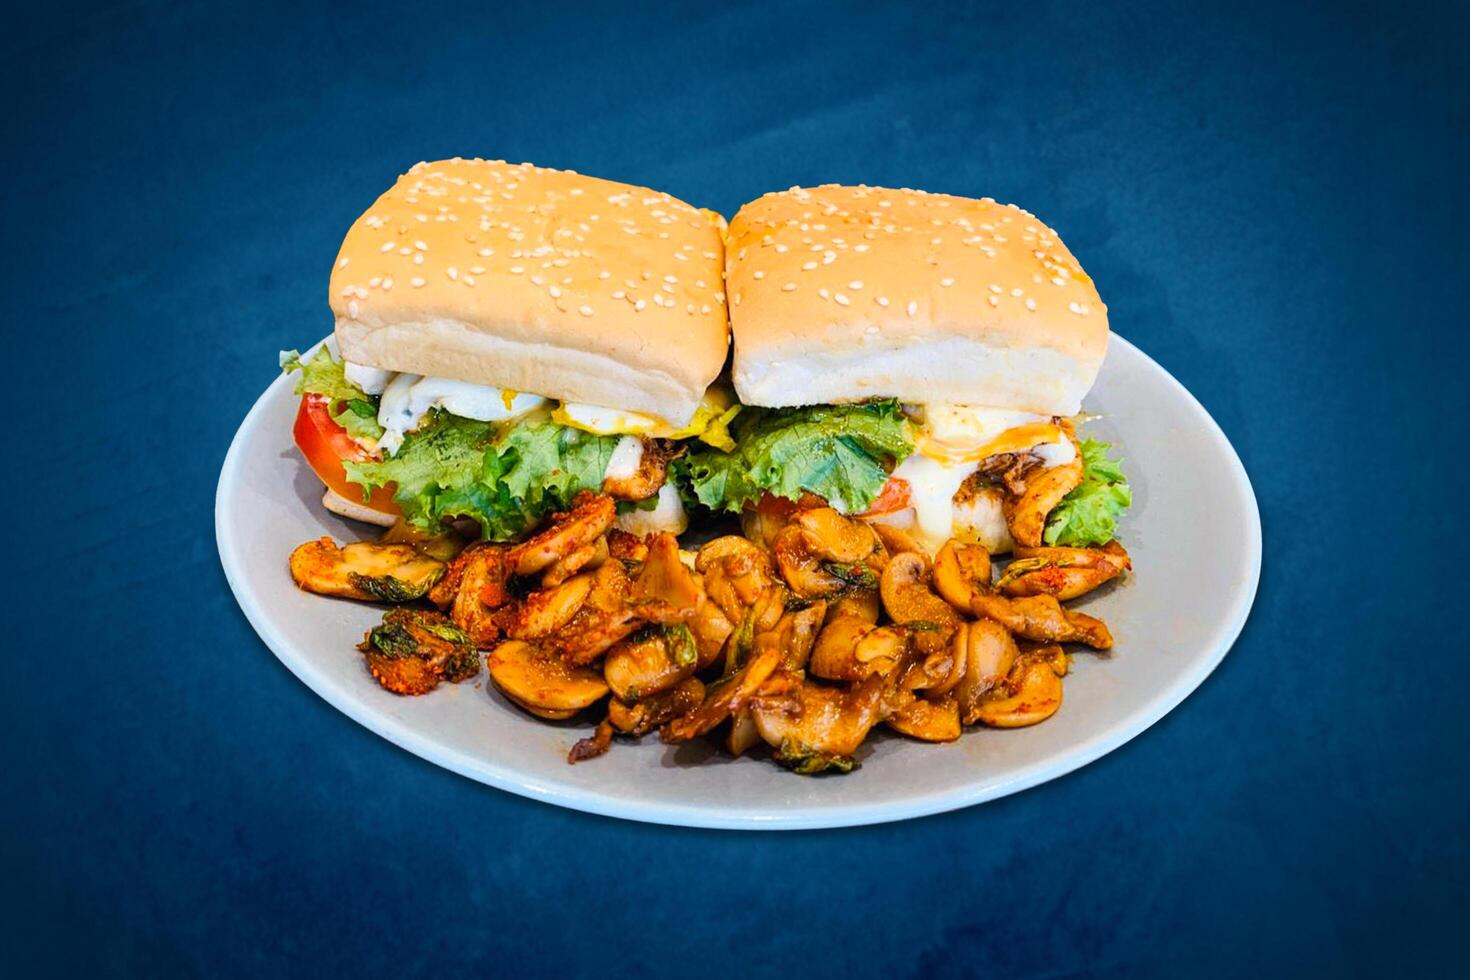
(325,444)
(893,497)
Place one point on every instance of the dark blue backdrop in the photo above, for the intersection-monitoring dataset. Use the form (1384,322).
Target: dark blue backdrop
(1272,197)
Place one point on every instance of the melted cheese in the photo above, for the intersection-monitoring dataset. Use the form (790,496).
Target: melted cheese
(608,421)
(950,442)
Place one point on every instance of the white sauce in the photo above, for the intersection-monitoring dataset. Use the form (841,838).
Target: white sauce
(409,397)
(370,379)
(626,457)
(1056,453)
(669,515)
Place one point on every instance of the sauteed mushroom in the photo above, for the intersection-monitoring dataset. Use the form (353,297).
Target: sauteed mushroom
(364,570)
(542,683)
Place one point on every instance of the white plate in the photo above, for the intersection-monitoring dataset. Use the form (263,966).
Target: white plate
(1194,534)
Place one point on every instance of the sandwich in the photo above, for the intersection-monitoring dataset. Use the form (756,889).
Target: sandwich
(916,359)
(509,336)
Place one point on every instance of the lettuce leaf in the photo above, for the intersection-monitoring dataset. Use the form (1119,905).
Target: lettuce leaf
(350,407)
(1088,516)
(505,477)
(837,452)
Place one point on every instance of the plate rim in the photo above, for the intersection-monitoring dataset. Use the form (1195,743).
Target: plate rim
(515,781)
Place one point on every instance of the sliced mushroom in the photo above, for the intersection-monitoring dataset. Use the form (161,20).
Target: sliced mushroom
(595,745)
(472,590)
(545,611)
(650,713)
(589,519)
(989,653)
(723,698)
(412,650)
(541,682)
(743,735)
(603,619)
(1063,572)
(822,553)
(364,570)
(961,570)
(908,599)
(588,556)
(711,629)
(815,727)
(735,573)
(897,540)
(665,590)
(1042,617)
(1034,695)
(1045,487)
(850,647)
(794,634)
(651,661)
(928,721)
(441,547)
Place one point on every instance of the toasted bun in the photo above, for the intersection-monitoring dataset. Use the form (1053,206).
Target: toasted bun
(839,294)
(538,280)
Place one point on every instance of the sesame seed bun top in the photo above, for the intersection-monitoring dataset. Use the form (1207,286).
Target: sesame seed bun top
(537,280)
(845,293)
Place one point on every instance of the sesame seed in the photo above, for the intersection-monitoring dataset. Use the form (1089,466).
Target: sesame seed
(1058,281)
(537,280)
(416,282)
(516,270)
(420,246)
(860,247)
(736,299)
(1081,309)
(352,308)
(619,294)
(405,250)
(468,280)
(1017,291)
(555,292)
(638,306)
(788,287)
(487,252)
(841,299)
(881,300)
(855,284)
(996,289)
(823,293)
(418,258)
(604,274)
(1031,305)
(671,279)
(779,248)
(452,272)
(809,266)
(758,274)
(993,300)
(585,310)
(719,297)
(388,283)
(387,247)
(913,307)
(946,281)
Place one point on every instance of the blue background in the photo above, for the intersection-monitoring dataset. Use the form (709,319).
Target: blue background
(1272,197)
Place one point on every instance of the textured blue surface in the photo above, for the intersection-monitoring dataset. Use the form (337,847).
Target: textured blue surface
(1272,197)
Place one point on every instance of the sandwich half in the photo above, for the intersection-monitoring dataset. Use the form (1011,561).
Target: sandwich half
(508,336)
(918,359)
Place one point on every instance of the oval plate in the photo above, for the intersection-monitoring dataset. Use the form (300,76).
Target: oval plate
(1194,534)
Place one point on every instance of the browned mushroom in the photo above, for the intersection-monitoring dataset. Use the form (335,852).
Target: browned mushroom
(602,620)
(1034,693)
(1042,617)
(649,713)
(816,728)
(821,553)
(989,654)
(651,661)
(364,570)
(589,556)
(734,574)
(545,611)
(1063,572)
(665,590)
(928,721)
(566,533)
(908,599)
(541,682)
(960,570)
(723,698)
(652,469)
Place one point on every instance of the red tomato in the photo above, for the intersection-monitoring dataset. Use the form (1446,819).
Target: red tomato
(325,444)
(893,497)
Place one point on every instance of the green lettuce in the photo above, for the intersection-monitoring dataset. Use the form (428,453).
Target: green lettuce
(505,477)
(350,407)
(1088,516)
(837,452)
